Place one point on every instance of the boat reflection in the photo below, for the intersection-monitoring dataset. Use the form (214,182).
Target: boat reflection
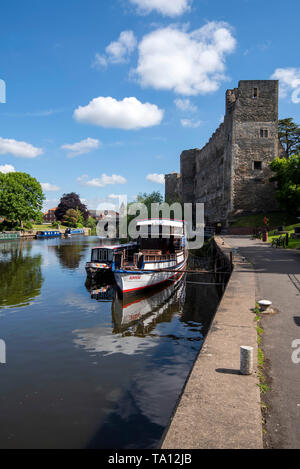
(137,314)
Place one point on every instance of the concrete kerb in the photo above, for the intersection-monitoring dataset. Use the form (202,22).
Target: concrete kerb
(220,408)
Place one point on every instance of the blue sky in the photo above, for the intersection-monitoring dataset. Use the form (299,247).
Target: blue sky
(69,66)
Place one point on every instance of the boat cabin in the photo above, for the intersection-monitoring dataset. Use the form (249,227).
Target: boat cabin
(160,241)
(114,254)
(48,234)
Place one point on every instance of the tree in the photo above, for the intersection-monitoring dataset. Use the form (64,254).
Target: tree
(73,218)
(68,201)
(21,197)
(148,199)
(289,135)
(287,178)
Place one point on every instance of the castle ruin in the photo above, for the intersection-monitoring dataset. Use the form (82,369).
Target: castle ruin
(231,173)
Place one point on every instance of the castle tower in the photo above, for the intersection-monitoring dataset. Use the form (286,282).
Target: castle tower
(254,144)
(230,174)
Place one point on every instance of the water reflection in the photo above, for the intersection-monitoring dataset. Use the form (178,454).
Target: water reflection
(135,319)
(89,368)
(138,315)
(20,275)
(69,253)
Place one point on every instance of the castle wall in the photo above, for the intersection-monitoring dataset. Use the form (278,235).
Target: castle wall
(230,174)
(254,141)
(173,191)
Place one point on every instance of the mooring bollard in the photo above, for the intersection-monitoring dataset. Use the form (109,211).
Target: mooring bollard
(246,360)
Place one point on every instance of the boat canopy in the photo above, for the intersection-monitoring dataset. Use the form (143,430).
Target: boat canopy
(161,222)
(117,246)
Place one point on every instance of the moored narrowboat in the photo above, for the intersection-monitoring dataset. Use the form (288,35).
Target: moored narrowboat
(74,231)
(104,259)
(48,234)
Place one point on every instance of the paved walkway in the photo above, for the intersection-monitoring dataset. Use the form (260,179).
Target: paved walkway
(220,408)
(277,278)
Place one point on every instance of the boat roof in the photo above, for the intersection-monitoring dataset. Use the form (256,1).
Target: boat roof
(116,246)
(161,222)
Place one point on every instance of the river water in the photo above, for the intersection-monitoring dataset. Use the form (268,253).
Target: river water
(85,368)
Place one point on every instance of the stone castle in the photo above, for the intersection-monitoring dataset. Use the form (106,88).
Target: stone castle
(231,173)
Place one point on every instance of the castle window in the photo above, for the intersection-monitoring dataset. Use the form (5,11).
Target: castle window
(255,93)
(264,133)
(257,165)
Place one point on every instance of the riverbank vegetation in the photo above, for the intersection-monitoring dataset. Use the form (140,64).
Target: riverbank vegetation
(21,201)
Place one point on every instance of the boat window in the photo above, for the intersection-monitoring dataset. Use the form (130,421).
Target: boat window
(109,255)
(96,254)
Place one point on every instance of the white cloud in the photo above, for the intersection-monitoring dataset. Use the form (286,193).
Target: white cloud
(190,123)
(157,178)
(164,7)
(127,114)
(185,105)
(50,203)
(117,51)
(289,82)
(43,113)
(19,149)
(187,63)
(103,181)
(115,196)
(47,187)
(7,168)
(82,147)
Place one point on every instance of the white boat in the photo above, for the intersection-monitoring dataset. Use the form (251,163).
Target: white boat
(139,313)
(160,259)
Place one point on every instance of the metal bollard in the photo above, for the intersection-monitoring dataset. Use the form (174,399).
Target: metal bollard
(246,360)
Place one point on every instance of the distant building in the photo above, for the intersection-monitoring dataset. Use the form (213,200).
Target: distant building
(100,215)
(49,216)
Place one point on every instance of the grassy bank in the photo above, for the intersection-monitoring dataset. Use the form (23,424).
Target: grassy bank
(275,219)
(293,243)
(48,227)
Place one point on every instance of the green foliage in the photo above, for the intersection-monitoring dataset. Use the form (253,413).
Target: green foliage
(20,277)
(91,223)
(27,225)
(289,135)
(21,197)
(257,220)
(287,177)
(263,386)
(294,243)
(146,200)
(74,218)
(70,201)
(39,218)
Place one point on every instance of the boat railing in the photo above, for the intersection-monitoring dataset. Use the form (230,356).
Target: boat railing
(159,258)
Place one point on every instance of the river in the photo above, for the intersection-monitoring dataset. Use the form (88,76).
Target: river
(87,369)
